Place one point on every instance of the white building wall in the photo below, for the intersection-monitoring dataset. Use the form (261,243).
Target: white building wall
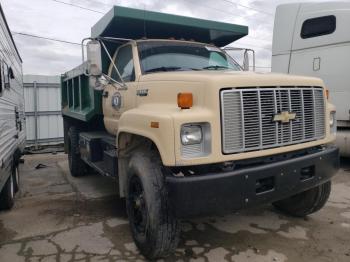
(43,109)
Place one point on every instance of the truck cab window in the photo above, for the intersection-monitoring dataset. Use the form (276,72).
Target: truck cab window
(217,58)
(157,56)
(11,74)
(125,64)
(318,26)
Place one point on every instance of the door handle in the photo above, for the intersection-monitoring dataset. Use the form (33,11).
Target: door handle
(317,63)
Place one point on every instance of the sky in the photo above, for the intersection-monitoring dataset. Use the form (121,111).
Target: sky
(54,19)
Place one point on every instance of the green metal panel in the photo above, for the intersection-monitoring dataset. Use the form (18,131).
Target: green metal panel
(79,99)
(132,23)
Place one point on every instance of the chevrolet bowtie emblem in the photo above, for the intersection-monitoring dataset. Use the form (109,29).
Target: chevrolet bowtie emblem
(284,117)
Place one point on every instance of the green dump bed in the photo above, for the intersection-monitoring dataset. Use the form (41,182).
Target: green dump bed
(79,99)
(82,102)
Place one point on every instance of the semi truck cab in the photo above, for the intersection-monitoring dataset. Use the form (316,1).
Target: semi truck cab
(312,39)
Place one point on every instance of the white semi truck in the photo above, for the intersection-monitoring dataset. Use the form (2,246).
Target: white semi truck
(313,39)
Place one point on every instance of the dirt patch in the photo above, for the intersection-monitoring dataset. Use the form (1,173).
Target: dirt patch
(6,234)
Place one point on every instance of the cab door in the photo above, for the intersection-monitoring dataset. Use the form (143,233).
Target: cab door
(118,99)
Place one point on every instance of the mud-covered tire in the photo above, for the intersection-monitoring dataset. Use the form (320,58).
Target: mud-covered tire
(7,196)
(77,166)
(157,234)
(305,203)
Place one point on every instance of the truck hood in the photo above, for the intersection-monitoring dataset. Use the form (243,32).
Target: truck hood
(225,78)
(164,87)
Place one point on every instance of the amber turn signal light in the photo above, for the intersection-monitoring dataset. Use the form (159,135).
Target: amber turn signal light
(155,124)
(185,100)
(327,93)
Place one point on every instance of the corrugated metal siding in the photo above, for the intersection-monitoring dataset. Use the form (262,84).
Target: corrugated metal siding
(43,114)
(12,137)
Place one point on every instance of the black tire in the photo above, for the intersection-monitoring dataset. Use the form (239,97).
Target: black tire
(77,166)
(305,203)
(16,178)
(154,228)
(7,196)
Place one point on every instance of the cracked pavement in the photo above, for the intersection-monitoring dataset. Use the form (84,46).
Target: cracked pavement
(60,218)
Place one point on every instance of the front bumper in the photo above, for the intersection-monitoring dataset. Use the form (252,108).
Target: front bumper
(224,192)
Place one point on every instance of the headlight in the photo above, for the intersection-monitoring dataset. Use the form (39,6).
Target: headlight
(333,121)
(191,134)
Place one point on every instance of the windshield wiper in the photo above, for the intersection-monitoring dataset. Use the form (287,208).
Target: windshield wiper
(170,68)
(215,67)
(163,69)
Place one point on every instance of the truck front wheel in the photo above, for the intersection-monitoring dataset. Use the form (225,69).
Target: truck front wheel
(305,203)
(154,228)
(77,166)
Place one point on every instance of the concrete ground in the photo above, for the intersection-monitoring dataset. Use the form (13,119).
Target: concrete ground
(60,218)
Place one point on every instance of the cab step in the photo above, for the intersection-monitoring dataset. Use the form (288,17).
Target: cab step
(98,150)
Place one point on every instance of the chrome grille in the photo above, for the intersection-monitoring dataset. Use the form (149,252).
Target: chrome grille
(247,117)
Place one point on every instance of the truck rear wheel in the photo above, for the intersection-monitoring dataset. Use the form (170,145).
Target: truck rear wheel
(7,195)
(305,203)
(77,166)
(154,228)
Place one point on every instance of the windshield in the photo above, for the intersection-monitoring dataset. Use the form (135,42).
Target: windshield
(157,56)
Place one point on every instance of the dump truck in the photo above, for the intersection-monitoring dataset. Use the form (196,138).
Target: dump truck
(160,106)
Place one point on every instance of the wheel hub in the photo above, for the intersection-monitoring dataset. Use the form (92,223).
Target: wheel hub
(139,201)
(138,205)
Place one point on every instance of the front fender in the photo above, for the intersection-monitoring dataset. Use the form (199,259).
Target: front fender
(138,122)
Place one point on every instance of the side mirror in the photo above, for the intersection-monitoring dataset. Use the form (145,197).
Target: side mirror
(245,56)
(246,60)
(94,60)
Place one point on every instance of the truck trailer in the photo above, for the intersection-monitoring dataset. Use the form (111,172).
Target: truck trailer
(12,118)
(159,106)
(313,39)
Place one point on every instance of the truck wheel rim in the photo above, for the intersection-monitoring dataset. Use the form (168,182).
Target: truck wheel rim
(138,205)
